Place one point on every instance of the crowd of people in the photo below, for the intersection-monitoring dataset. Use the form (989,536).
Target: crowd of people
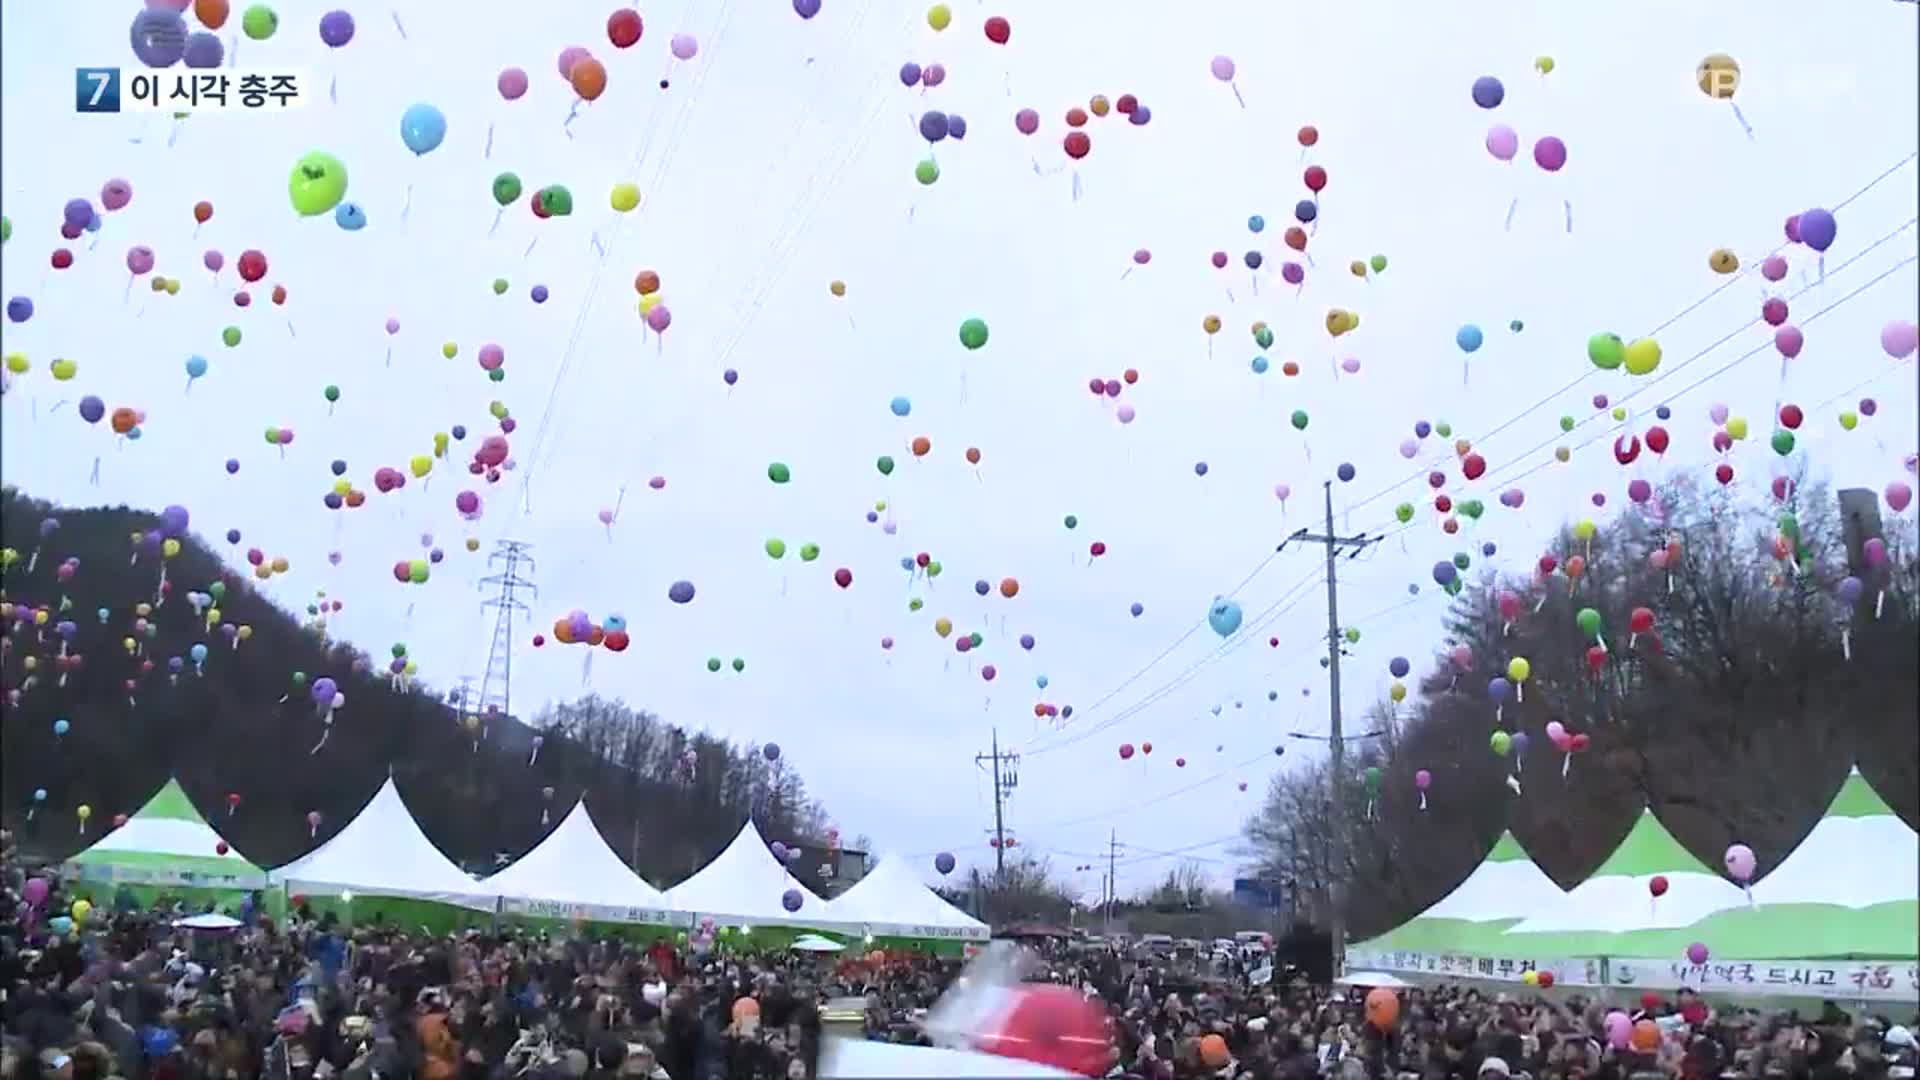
(124,993)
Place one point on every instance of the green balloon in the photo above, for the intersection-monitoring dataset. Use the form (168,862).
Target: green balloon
(776,547)
(1263,337)
(885,465)
(506,188)
(739,664)
(1373,778)
(1403,512)
(934,568)
(1606,351)
(1071,521)
(973,333)
(1588,620)
(779,473)
(6,229)
(273,436)
(927,171)
(1300,419)
(498,374)
(1461,560)
(1516,326)
(713,663)
(1378,262)
(976,639)
(1501,742)
(809,552)
(1452,587)
(259,22)
(417,571)
(231,335)
(217,590)
(1443,429)
(1353,635)
(556,200)
(1566,423)
(299,678)
(914,604)
(1783,442)
(499,286)
(318,181)
(332,393)
(1473,508)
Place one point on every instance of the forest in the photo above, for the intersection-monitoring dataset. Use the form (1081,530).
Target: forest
(1747,653)
(104,701)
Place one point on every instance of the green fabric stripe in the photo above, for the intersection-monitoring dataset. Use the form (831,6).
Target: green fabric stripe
(1650,849)
(171,801)
(1857,799)
(1508,849)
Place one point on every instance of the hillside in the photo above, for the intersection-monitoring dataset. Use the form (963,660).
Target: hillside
(131,722)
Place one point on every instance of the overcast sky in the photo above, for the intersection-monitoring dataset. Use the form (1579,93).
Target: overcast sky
(780,159)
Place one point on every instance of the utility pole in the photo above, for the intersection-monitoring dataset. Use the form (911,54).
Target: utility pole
(511,558)
(1113,883)
(1351,546)
(1004,781)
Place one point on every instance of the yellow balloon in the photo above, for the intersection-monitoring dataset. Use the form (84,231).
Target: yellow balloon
(1211,324)
(1358,268)
(649,301)
(412,667)
(880,506)
(169,548)
(30,663)
(1531,978)
(246,631)
(1619,412)
(85,812)
(1543,64)
(342,486)
(939,16)
(1518,669)
(1737,427)
(837,287)
(279,564)
(1849,419)
(18,363)
(943,626)
(1718,75)
(1336,322)
(213,616)
(420,466)
(440,444)
(473,544)
(83,908)
(625,196)
(65,369)
(1398,691)
(129,644)
(173,286)
(1584,528)
(1643,355)
(1723,261)
(263,571)
(40,618)
(449,350)
(1353,321)
(1259,325)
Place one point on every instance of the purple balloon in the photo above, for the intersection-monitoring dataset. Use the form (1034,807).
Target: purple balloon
(730,376)
(92,409)
(1498,689)
(1850,589)
(1488,93)
(539,294)
(806,9)
(779,851)
(159,40)
(1550,153)
(1141,114)
(1817,229)
(681,592)
(1519,743)
(174,520)
(933,125)
(956,126)
(1422,428)
(323,690)
(233,466)
(909,73)
(1292,273)
(943,862)
(204,50)
(19,309)
(336,28)
(790,900)
(77,213)
(333,500)
(1026,641)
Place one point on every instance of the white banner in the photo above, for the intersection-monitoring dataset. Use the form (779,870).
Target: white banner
(1465,966)
(1840,980)
(122,874)
(614,913)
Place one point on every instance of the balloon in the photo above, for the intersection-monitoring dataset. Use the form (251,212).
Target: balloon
(1026,121)
(259,22)
(317,184)
(1550,153)
(1468,338)
(1718,76)
(1642,356)
(1900,339)
(568,57)
(512,83)
(623,30)
(1224,616)
(681,592)
(336,28)
(1503,142)
(588,77)
(423,128)
(350,217)
(626,195)
(1899,496)
(684,46)
(1488,93)
(939,16)
(973,333)
(159,39)
(1383,1008)
(1817,229)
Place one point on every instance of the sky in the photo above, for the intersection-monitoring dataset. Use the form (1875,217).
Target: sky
(780,159)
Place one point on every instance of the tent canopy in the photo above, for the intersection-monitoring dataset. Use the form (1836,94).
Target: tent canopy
(1859,854)
(382,852)
(573,874)
(167,842)
(1505,888)
(892,901)
(744,886)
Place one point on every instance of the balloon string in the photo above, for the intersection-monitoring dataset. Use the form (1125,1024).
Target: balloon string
(489,153)
(1742,118)
(407,207)
(1236,95)
(1569,205)
(397,24)
(333,90)
(1511,207)
(496,220)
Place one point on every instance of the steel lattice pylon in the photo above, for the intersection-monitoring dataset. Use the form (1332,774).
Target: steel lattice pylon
(510,559)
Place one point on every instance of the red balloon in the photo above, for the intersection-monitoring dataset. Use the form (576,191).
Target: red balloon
(62,258)
(616,641)
(999,30)
(1308,135)
(1791,416)
(843,577)
(1125,104)
(1596,659)
(1473,467)
(1657,886)
(539,204)
(253,265)
(1642,620)
(401,571)
(1442,503)
(1546,979)
(1657,439)
(1548,564)
(1146,748)
(1097,548)
(1724,474)
(1076,117)
(1077,144)
(1626,448)
(623,28)
(1316,178)
(1126,750)
(71,231)
(1179,763)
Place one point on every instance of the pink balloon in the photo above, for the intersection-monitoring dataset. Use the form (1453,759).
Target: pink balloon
(213,260)
(1462,658)
(684,47)
(1774,311)
(1423,779)
(1619,1029)
(1550,153)
(1900,339)
(115,194)
(1556,733)
(934,75)
(605,516)
(492,356)
(1292,273)
(513,81)
(1283,492)
(1351,365)
(1222,68)
(570,56)
(1408,448)
(1697,953)
(139,259)
(1125,414)
(1899,496)
(657,483)
(1789,340)
(1773,267)
(1142,257)
(1639,490)
(1027,121)
(1503,142)
(467,502)
(393,325)
(1717,413)
(659,319)
(1740,863)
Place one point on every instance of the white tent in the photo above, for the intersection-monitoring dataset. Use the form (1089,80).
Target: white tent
(382,852)
(1505,888)
(1617,898)
(744,886)
(573,874)
(166,842)
(892,901)
(1858,855)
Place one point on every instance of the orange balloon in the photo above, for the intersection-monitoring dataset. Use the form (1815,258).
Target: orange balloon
(1289,368)
(876,957)
(1076,116)
(203,211)
(646,282)
(1213,1051)
(745,1007)
(1645,1037)
(589,78)
(1098,106)
(124,420)
(1296,238)
(355,497)
(1576,565)
(973,455)
(599,635)
(562,631)
(1009,588)
(921,445)
(211,13)
(1383,1008)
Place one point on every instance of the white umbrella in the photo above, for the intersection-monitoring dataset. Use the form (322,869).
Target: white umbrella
(1372,978)
(212,920)
(816,943)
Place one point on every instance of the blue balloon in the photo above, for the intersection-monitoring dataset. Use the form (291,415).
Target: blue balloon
(900,406)
(1519,744)
(1306,210)
(350,216)
(196,366)
(1040,681)
(619,622)
(60,924)
(1224,616)
(1256,223)
(93,223)
(19,309)
(423,128)
(1137,609)
(1422,428)
(61,727)
(1488,93)
(1259,365)
(956,126)
(1345,472)
(198,652)
(1498,689)
(1444,573)
(1399,667)
(1469,338)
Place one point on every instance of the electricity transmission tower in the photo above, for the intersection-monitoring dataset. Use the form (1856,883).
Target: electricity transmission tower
(510,559)
(1006,777)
